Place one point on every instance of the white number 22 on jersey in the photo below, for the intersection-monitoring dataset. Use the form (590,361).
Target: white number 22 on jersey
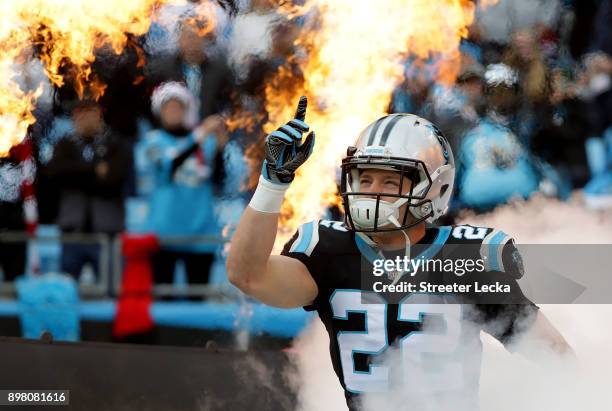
(416,348)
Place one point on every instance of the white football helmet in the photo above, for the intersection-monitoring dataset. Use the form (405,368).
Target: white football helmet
(416,149)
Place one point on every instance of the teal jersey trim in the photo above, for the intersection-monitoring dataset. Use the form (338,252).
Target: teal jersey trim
(307,230)
(371,255)
(494,244)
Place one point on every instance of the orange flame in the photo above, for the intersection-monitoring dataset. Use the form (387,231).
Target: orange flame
(203,21)
(67,33)
(355,58)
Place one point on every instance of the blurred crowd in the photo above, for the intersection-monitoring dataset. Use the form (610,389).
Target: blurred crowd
(530,112)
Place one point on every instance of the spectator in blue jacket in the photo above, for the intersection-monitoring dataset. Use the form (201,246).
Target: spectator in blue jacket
(493,165)
(186,163)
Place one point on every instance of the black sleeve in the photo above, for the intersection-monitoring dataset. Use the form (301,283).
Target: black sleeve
(506,322)
(504,316)
(512,260)
(301,247)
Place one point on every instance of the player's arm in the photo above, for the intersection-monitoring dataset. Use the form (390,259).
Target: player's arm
(522,325)
(523,328)
(543,334)
(273,279)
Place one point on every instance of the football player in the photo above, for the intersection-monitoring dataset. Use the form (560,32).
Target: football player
(396,180)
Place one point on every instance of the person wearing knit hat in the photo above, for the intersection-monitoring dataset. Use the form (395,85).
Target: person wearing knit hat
(173,104)
(186,163)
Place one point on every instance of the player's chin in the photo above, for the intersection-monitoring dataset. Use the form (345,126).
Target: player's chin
(386,232)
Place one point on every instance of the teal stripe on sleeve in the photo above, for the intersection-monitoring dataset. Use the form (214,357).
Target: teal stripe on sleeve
(307,230)
(494,245)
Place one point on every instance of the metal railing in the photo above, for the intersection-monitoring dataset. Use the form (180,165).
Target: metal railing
(109,271)
(169,290)
(99,288)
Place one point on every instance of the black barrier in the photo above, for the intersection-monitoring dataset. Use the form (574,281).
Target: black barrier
(118,377)
(100,331)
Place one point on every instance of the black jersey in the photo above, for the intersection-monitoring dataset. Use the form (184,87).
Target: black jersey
(438,344)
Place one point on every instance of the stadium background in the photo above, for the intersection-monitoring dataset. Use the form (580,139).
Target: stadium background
(95,208)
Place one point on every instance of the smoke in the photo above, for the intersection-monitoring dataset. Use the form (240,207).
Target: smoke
(511,382)
(548,221)
(251,39)
(535,379)
(437,369)
(499,20)
(315,382)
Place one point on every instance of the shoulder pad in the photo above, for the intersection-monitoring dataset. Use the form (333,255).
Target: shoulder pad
(496,248)
(324,235)
(500,254)
(492,248)
(307,238)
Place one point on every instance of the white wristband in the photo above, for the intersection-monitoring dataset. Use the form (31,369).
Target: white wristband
(268,196)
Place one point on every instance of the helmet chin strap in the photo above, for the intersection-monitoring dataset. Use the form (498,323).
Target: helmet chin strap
(396,223)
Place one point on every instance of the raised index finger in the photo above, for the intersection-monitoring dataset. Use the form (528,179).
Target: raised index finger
(300,113)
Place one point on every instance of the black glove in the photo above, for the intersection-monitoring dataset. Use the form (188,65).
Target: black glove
(284,150)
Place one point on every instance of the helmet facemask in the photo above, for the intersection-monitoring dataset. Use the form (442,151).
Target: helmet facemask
(367,212)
